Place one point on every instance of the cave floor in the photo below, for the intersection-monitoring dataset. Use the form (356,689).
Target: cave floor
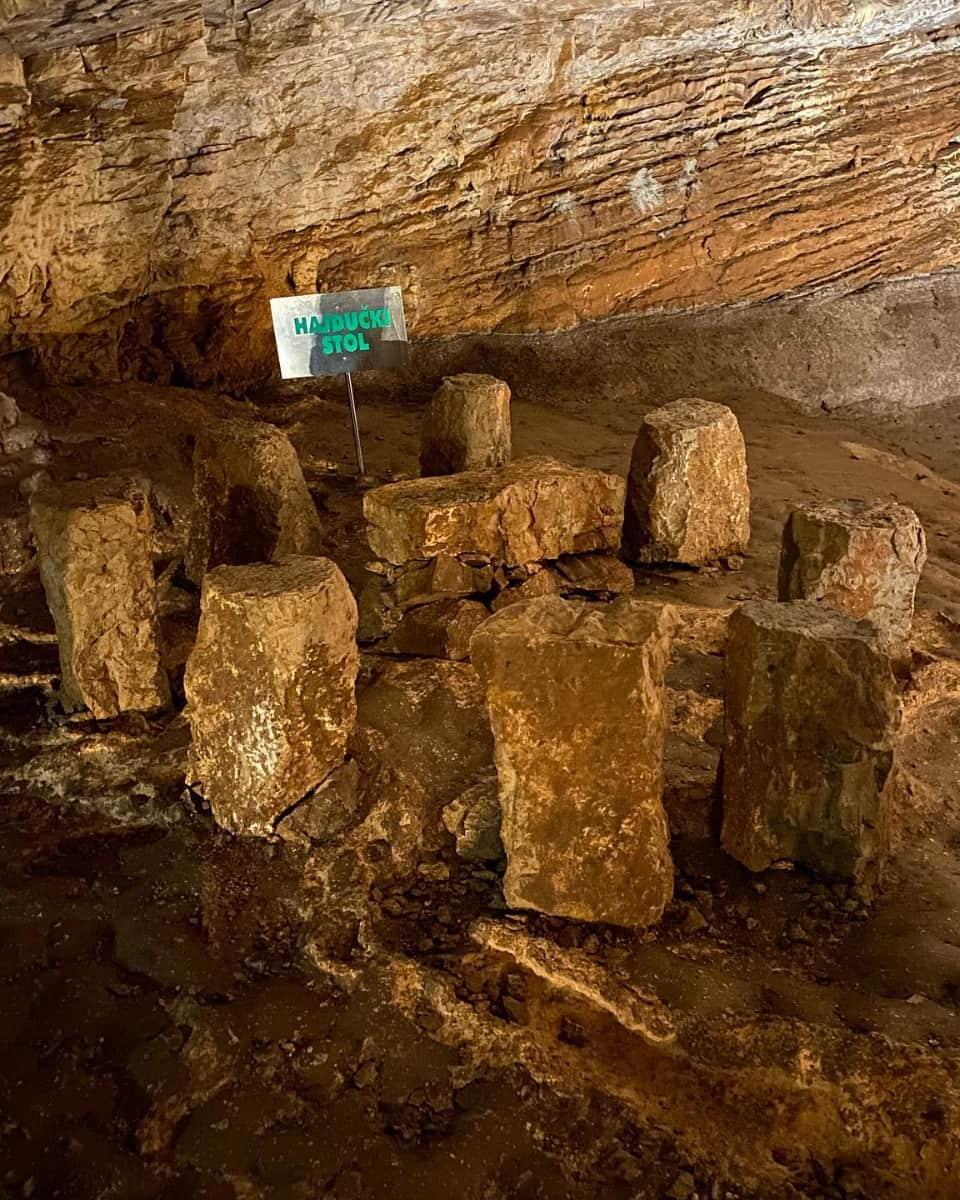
(182,1016)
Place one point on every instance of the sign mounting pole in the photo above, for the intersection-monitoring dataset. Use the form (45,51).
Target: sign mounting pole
(356,427)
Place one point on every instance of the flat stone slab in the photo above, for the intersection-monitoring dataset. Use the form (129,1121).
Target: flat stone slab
(270,687)
(532,509)
(812,713)
(576,698)
(860,558)
(467,426)
(94,543)
(688,499)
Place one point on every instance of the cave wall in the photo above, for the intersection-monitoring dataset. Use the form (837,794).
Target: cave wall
(166,167)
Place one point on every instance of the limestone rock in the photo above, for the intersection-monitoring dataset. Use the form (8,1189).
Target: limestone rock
(532,509)
(442,577)
(688,499)
(439,630)
(596,573)
(467,426)
(545,582)
(328,811)
(859,558)
(812,713)
(270,686)
(15,542)
(474,820)
(251,500)
(93,544)
(576,700)
(18,430)
(378,614)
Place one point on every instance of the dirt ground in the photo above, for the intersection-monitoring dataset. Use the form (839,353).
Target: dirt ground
(186,1014)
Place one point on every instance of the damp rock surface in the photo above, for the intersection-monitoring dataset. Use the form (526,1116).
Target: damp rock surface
(94,548)
(576,700)
(270,686)
(858,557)
(812,714)
(532,509)
(467,426)
(688,498)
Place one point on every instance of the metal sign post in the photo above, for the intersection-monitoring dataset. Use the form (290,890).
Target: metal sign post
(356,425)
(340,333)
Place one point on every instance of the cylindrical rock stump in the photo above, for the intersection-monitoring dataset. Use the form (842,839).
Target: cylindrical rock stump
(688,500)
(94,549)
(859,558)
(467,426)
(576,698)
(270,687)
(812,713)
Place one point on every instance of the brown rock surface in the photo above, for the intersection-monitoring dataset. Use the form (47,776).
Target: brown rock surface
(439,630)
(93,543)
(474,820)
(534,508)
(467,426)
(522,189)
(576,702)
(440,578)
(860,558)
(812,713)
(688,499)
(251,500)
(270,686)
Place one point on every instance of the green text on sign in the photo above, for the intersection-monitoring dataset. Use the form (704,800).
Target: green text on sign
(343,331)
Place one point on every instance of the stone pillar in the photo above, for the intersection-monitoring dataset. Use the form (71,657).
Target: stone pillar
(251,501)
(94,549)
(576,698)
(862,559)
(467,426)
(812,713)
(270,686)
(688,499)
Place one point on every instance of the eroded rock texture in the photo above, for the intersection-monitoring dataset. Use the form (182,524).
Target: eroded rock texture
(535,508)
(467,426)
(812,713)
(251,503)
(576,700)
(270,687)
(93,544)
(859,558)
(510,172)
(688,498)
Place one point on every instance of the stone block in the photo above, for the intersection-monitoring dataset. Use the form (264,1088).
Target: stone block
(595,573)
(440,578)
(576,698)
(93,542)
(532,509)
(270,686)
(251,502)
(812,713)
(467,426)
(545,582)
(688,499)
(327,812)
(439,630)
(863,559)
(474,820)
